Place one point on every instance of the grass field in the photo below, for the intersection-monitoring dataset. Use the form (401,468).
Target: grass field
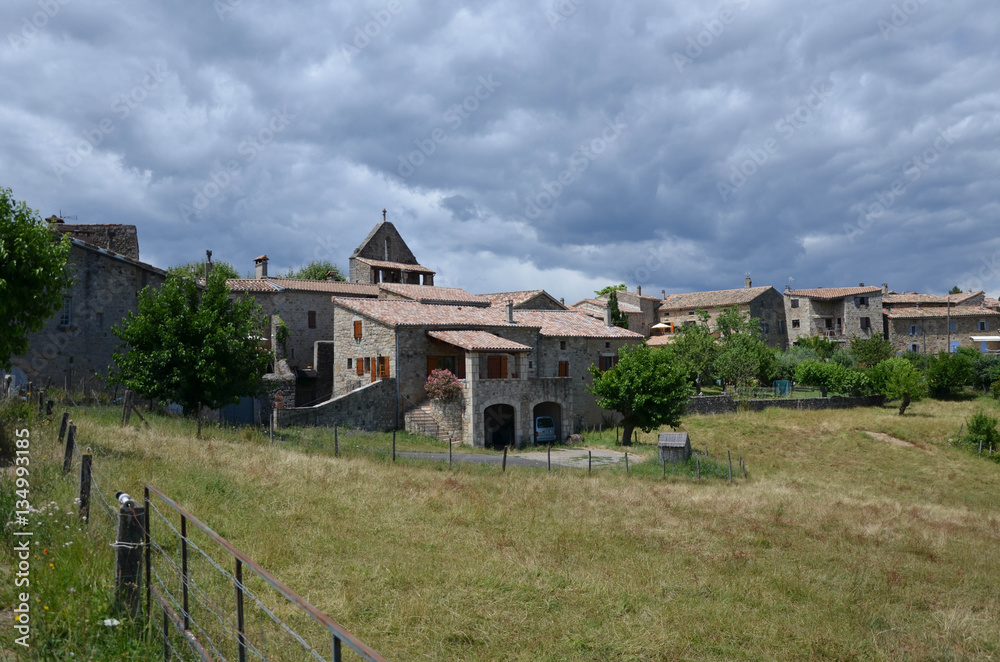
(840,545)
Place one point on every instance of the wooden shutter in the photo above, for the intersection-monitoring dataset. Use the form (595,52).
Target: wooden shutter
(360,362)
(374,365)
(493,367)
(460,367)
(357,328)
(432,364)
(503,367)
(564,368)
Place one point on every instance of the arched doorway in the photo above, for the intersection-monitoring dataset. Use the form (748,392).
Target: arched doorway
(498,426)
(544,410)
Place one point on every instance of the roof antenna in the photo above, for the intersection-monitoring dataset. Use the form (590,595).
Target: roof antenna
(383,216)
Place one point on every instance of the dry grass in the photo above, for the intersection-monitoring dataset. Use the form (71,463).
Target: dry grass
(840,546)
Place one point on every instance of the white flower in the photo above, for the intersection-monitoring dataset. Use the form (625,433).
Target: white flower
(67,545)
(112,622)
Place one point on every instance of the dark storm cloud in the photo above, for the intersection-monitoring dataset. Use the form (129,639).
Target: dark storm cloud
(522,144)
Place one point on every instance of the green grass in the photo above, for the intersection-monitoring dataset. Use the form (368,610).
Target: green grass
(838,545)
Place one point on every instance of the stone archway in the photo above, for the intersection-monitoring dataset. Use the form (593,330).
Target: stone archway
(499,426)
(553,410)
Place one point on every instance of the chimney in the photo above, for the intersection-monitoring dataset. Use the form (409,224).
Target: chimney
(510,311)
(747,283)
(261,266)
(607,314)
(638,290)
(562,300)
(861,284)
(788,289)
(663,294)
(208,264)
(885,288)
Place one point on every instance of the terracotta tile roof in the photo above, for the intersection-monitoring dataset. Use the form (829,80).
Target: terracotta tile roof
(990,302)
(834,292)
(478,341)
(660,341)
(434,294)
(940,312)
(382,264)
(600,304)
(519,297)
(302,285)
(957,299)
(564,323)
(713,299)
(912,298)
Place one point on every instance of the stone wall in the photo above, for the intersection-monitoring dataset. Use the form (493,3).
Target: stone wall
(723,404)
(372,407)
(122,239)
(293,307)
(79,354)
(811,312)
(769,308)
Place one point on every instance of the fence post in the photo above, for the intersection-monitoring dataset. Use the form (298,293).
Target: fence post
(729,453)
(626,463)
(589,461)
(128,556)
(336,441)
(124,407)
(450,442)
(697,464)
(146,540)
(85,461)
(548,456)
(184,569)
(393,445)
(63,426)
(70,441)
(240,636)
(504,468)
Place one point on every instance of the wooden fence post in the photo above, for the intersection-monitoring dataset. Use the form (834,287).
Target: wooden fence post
(589,460)
(393,445)
(70,441)
(548,456)
(504,466)
(63,426)
(336,441)
(697,464)
(85,462)
(451,441)
(626,463)
(128,557)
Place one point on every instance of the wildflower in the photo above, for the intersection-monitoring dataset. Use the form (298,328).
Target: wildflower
(45,607)
(71,590)
(45,551)
(67,544)
(52,565)
(112,622)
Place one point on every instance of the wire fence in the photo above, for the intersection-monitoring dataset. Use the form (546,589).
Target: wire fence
(199,607)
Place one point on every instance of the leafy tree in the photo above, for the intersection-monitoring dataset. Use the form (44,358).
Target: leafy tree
(32,275)
(869,352)
(191,345)
(610,288)
(856,382)
(197,269)
(744,357)
(825,376)
(822,346)
(695,349)
(985,367)
(955,290)
(788,360)
(618,318)
(897,378)
(982,430)
(317,270)
(948,373)
(645,387)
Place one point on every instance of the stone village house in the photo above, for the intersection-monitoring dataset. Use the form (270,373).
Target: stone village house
(929,324)
(836,313)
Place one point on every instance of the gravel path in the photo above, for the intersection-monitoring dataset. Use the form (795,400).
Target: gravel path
(563,457)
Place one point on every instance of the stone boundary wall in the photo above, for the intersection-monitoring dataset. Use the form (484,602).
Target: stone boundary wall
(723,404)
(371,407)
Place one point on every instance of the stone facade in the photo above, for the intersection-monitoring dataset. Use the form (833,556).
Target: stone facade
(383,257)
(372,407)
(836,313)
(926,330)
(75,347)
(763,303)
(121,239)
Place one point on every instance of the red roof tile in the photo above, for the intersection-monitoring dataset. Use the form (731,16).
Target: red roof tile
(433,294)
(339,288)
(834,292)
(478,341)
(382,264)
(712,299)
(941,312)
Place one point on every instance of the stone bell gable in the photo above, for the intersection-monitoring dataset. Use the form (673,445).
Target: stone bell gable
(384,257)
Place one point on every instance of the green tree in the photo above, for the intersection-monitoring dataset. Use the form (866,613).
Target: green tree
(790,359)
(955,290)
(896,378)
(610,288)
(869,352)
(824,376)
(197,269)
(948,373)
(192,346)
(317,270)
(618,318)
(645,387)
(744,358)
(695,349)
(32,274)
(822,346)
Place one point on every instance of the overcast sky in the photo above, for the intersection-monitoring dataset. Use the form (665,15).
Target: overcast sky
(526,143)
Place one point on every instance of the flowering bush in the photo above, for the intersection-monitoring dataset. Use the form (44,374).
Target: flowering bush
(442,385)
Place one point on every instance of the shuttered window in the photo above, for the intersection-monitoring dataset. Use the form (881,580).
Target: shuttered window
(360,363)
(564,368)
(357,328)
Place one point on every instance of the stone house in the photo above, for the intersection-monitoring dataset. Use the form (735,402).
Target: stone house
(117,238)
(933,329)
(74,349)
(836,313)
(513,365)
(527,300)
(764,303)
(640,309)
(891,299)
(383,257)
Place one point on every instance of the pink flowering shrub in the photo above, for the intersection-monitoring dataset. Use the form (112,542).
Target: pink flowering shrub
(442,385)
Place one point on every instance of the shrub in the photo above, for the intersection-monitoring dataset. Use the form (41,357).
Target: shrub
(442,385)
(825,376)
(948,374)
(856,382)
(982,429)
